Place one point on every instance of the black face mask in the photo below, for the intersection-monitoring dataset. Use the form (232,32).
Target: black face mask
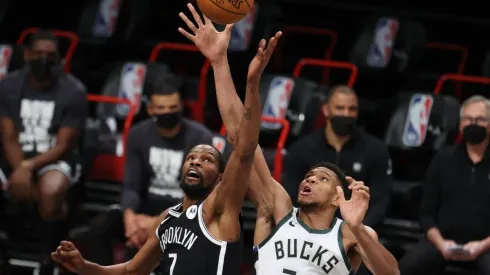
(343,125)
(41,69)
(474,134)
(168,121)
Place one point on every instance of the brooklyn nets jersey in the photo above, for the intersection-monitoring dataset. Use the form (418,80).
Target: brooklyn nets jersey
(294,248)
(188,248)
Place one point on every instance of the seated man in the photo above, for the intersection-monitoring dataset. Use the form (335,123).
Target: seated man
(456,199)
(357,153)
(155,153)
(42,111)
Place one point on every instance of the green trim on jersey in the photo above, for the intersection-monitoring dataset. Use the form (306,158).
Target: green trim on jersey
(316,231)
(276,228)
(342,248)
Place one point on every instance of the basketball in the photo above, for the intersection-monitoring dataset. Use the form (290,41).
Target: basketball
(225,11)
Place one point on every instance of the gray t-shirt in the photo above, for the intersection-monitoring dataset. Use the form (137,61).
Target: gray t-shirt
(38,114)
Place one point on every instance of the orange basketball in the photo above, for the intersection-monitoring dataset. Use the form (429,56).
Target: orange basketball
(225,11)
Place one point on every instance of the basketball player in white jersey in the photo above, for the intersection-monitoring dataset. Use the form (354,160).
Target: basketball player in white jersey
(308,240)
(201,235)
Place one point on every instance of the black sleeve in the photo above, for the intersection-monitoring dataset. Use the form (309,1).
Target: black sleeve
(4,102)
(76,111)
(380,184)
(429,204)
(294,170)
(135,180)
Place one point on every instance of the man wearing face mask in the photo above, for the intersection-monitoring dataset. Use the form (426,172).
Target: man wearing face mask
(455,204)
(359,154)
(156,150)
(42,114)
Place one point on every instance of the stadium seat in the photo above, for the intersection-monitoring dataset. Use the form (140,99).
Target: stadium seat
(291,34)
(109,30)
(438,58)
(11,58)
(295,99)
(418,125)
(386,49)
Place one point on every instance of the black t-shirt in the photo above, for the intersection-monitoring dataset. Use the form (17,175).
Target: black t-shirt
(188,248)
(153,163)
(38,114)
(456,195)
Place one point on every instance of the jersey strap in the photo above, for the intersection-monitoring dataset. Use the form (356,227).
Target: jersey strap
(341,245)
(222,244)
(276,228)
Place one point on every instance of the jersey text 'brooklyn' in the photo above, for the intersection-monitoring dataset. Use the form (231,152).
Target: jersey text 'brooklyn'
(188,248)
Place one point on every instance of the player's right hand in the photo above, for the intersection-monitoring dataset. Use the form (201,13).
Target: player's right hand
(68,256)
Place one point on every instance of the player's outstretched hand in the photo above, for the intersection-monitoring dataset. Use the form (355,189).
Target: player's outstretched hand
(68,256)
(354,210)
(212,43)
(261,59)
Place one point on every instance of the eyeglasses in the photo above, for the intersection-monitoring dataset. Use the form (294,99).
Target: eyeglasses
(475,120)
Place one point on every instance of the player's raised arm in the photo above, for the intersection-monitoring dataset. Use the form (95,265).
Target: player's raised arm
(214,45)
(225,202)
(143,263)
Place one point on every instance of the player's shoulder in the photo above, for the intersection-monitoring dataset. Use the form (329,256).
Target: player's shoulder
(142,127)
(70,84)
(372,142)
(14,79)
(450,151)
(173,211)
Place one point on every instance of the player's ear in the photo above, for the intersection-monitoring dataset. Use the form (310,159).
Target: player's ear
(325,110)
(336,200)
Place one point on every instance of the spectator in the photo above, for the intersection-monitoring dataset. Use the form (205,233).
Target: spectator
(155,154)
(456,199)
(359,154)
(43,112)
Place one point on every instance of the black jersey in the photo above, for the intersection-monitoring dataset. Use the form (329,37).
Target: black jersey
(189,249)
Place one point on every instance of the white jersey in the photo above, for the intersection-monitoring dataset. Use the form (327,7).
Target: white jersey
(294,248)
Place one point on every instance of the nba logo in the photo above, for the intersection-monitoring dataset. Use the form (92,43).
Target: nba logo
(106,18)
(131,86)
(379,54)
(5,55)
(241,33)
(417,120)
(277,102)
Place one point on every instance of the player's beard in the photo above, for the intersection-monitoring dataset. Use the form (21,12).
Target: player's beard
(195,191)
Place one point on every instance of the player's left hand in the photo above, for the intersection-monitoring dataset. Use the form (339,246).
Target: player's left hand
(261,59)
(475,249)
(354,210)
(212,44)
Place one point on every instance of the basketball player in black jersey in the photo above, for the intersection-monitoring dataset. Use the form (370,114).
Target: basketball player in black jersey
(320,194)
(201,235)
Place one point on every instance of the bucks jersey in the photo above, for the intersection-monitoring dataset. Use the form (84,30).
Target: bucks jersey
(188,248)
(294,248)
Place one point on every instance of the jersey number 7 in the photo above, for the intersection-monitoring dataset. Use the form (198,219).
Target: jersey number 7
(173,256)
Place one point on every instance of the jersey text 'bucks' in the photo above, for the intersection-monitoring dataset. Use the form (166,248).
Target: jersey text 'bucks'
(295,249)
